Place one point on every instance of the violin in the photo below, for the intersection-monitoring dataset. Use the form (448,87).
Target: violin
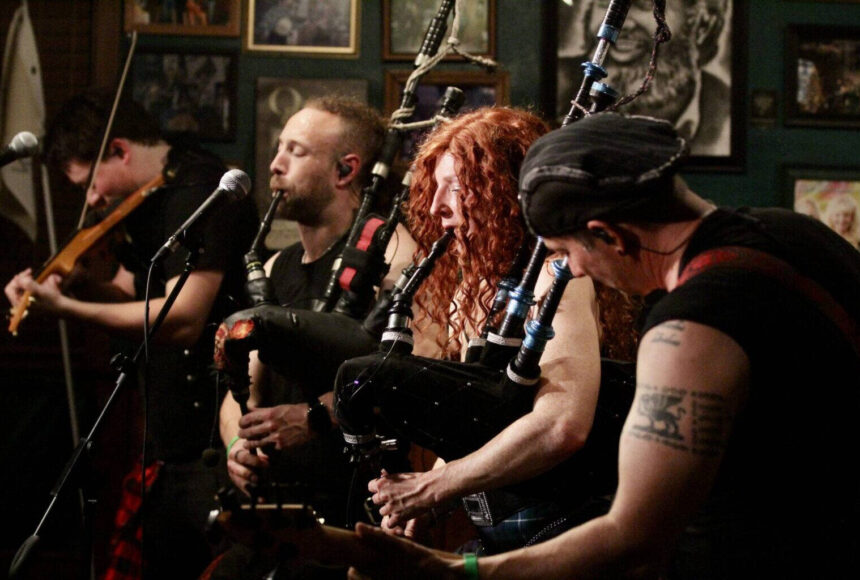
(65,259)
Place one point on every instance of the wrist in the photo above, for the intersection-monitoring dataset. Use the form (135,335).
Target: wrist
(470,566)
(231,444)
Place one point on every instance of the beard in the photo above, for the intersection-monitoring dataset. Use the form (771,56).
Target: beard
(304,207)
(672,87)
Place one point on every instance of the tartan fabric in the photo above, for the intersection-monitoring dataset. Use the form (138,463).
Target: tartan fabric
(126,554)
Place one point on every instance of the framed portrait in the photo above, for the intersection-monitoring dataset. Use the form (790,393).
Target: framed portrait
(822,76)
(276,101)
(186,18)
(404,24)
(480,88)
(302,28)
(699,84)
(829,194)
(188,92)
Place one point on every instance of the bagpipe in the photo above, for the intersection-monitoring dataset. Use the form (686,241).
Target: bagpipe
(453,408)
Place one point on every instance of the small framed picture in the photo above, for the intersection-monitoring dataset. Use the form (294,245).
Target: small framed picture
(829,194)
(763,108)
(186,18)
(481,89)
(277,100)
(404,25)
(188,92)
(317,28)
(822,76)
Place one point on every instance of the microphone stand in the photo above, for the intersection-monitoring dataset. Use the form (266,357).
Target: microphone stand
(74,466)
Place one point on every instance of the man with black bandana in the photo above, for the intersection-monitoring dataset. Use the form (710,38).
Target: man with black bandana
(180,389)
(735,460)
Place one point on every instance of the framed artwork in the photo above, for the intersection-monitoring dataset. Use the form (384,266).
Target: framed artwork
(829,194)
(481,89)
(404,24)
(276,101)
(191,17)
(763,108)
(700,81)
(188,92)
(302,28)
(822,76)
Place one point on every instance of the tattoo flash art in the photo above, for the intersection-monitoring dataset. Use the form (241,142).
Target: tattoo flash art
(694,422)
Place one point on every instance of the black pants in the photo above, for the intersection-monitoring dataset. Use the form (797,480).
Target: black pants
(175,515)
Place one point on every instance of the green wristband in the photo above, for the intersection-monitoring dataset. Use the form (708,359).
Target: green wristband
(470,566)
(230,445)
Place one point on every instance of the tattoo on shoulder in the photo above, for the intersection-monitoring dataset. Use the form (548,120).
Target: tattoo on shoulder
(691,421)
(669,333)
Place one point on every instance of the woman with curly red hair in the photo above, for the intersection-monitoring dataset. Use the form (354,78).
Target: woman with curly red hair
(480,153)
(465,178)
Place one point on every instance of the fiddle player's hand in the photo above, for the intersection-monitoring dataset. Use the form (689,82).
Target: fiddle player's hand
(48,296)
(243,466)
(282,426)
(45,298)
(16,287)
(402,496)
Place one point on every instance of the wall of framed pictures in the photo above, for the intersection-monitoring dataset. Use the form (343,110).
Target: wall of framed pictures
(373,39)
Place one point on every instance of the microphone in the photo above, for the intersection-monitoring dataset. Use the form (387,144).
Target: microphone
(235,184)
(24,144)
(211,457)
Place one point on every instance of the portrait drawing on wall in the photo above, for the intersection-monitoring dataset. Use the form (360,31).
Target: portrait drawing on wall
(692,86)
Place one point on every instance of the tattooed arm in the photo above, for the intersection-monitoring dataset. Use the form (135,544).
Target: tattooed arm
(691,381)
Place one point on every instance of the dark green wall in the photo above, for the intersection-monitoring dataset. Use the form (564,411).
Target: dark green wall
(524,43)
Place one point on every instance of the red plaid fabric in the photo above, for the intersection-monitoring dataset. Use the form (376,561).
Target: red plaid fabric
(126,557)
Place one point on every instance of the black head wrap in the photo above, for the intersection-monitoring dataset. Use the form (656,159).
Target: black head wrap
(604,166)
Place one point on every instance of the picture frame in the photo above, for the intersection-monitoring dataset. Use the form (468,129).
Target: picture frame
(188,92)
(216,18)
(405,22)
(700,88)
(322,28)
(829,194)
(822,76)
(481,88)
(276,100)
(764,107)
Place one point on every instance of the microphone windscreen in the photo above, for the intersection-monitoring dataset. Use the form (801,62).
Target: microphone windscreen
(211,457)
(237,183)
(24,143)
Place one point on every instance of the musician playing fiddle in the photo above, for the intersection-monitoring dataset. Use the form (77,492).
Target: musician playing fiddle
(180,389)
(464,177)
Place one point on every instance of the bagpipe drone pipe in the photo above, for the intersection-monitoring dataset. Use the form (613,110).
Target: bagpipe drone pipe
(453,408)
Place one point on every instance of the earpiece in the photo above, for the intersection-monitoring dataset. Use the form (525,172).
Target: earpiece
(602,235)
(343,169)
